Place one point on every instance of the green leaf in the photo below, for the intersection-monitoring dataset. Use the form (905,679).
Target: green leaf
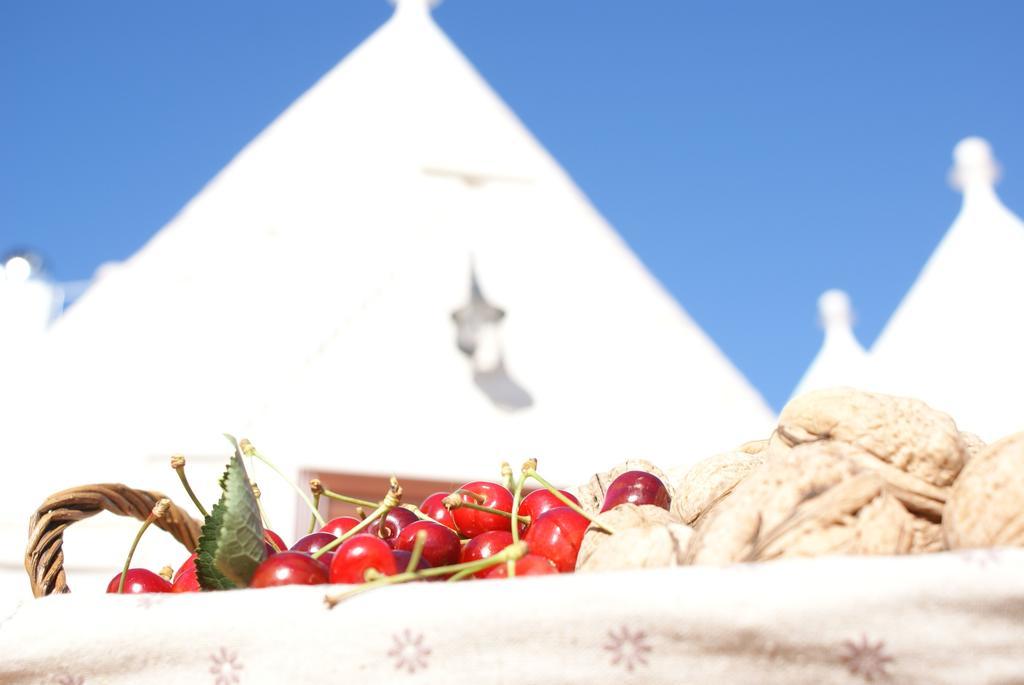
(232,440)
(206,570)
(231,545)
(234,444)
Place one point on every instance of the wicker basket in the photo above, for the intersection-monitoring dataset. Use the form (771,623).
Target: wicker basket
(44,556)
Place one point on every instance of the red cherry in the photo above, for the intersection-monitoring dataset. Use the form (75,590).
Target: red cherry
(274,540)
(539,502)
(340,525)
(139,581)
(472,522)
(312,543)
(187,581)
(434,508)
(528,565)
(289,568)
(441,547)
(188,567)
(402,559)
(636,487)
(557,535)
(396,519)
(485,545)
(357,555)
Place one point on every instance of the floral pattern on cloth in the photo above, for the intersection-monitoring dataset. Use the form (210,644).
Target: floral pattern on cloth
(627,648)
(10,615)
(982,557)
(854,620)
(865,659)
(408,651)
(225,667)
(148,601)
(70,680)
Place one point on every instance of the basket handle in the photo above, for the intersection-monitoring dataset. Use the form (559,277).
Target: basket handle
(44,556)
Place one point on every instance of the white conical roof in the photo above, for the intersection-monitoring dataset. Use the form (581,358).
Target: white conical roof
(842,360)
(305,298)
(957,339)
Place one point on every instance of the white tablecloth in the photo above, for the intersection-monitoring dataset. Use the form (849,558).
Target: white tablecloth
(944,618)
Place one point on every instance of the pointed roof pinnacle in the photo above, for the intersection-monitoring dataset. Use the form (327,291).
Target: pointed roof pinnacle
(841,360)
(835,310)
(414,7)
(973,164)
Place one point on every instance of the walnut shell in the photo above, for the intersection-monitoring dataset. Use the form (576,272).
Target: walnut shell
(920,497)
(986,505)
(710,481)
(644,537)
(591,494)
(812,499)
(973,445)
(926,537)
(903,432)
(754,446)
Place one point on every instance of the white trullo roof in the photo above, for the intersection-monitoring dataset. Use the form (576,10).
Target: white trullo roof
(305,298)
(842,360)
(957,339)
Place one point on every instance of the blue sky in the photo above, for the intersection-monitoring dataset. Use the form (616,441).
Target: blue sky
(752,154)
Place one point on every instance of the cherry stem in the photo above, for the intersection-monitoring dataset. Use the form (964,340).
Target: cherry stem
(391,500)
(159,509)
(178,464)
(416,510)
(349,500)
(259,505)
(512,552)
(507,477)
(354,530)
(454,503)
(467,572)
(312,519)
(475,495)
(382,529)
(417,551)
(263,515)
(248,450)
(517,498)
(531,473)
(316,489)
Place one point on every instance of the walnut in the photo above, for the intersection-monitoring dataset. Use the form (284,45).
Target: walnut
(710,481)
(621,518)
(973,445)
(899,431)
(812,499)
(926,537)
(986,505)
(645,537)
(753,447)
(591,495)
